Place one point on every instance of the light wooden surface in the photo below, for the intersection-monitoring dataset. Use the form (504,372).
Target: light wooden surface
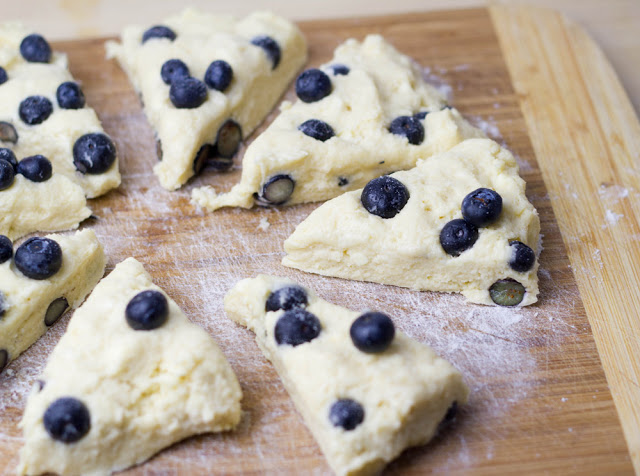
(540,401)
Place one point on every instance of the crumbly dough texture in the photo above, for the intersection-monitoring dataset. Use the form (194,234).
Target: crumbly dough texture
(55,137)
(144,389)
(405,391)
(26,300)
(382,84)
(340,238)
(201,39)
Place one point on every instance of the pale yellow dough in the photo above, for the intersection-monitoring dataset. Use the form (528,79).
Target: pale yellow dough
(382,85)
(201,39)
(405,391)
(26,300)
(340,238)
(144,389)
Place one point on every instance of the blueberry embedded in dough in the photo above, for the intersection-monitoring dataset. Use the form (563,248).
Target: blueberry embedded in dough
(8,133)
(38,258)
(70,96)
(346,413)
(173,70)
(35,110)
(339,69)
(409,127)
(158,32)
(35,49)
(3,75)
(7,174)
(343,181)
(202,156)
(276,190)
(482,207)
(147,311)
(372,332)
(288,297)
(421,115)
(55,311)
(94,153)
(67,420)
(317,129)
(3,304)
(296,326)
(270,47)
(36,168)
(9,156)
(188,93)
(228,139)
(6,249)
(457,236)
(384,196)
(218,75)
(523,257)
(4,359)
(507,292)
(313,85)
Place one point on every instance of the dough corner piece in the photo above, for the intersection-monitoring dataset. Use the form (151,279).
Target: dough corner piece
(342,239)
(402,393)
(143,390)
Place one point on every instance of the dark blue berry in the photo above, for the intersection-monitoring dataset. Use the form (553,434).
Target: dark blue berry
(36,168)
(507,292)
(313,85)
(9,156)
(339,69)
(7,174)
(3,75)
(346,414)
(409,127)
(188,93)
(70,96)
(67,420)
(421,115)
(35,49)
(523,257)
(202,157)
(35,110)
(38,258)
(457,236)
(342,181)
(147,310)
(317,129)
(270,47)
(276,190)
(482,207)
(384,196)
(228,139)
(94,153)
(297,326)
(6,249)
(287,298)
(8,133)
(172,70)
(4,359)
(55,310)
(158,31)
(372,332)
(218,75)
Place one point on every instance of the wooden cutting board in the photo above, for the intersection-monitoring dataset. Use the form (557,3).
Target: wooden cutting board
(540,400)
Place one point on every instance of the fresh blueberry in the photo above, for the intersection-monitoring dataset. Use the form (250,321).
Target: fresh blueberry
(3,75)
(35,49)
(287,298)
(457,236)
(4,359)
(55,310)
(158,31)
(6,249)
(38,258)
(67,420)
(202,157)
(36,168)
(270,47)
(384,196)
(8,133)
(421,115)
(523,257)
(317,129)
(313,85)
(372,332)
(9,156)
(339,69)
(172,70)
(507,292)
(276,190)
(297,326)
(70,96)
(228,139)
(94,153)
(409,127)
(147,310)
(218,75)
(188,93)
(7,174)
(482,207)
(35,110)
(346,414)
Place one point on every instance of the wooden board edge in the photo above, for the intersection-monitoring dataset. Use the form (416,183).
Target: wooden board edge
(586,137)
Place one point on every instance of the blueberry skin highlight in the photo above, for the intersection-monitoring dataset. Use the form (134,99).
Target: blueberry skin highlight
(70,96)
(457,236)
(94,153)
(38,258)
(35,110)
(317,129)
(286,298)
(9,156)
(36,168)
(384,196)
(482,207)
(296,327)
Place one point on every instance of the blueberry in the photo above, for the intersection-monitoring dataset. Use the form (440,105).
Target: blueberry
(317,129)
(3,309)
(4,359)
(313,85)
(228,139)
(7,173)
(339,69)
(482,207)
(342,181)
(35,49)
(507,292)
(36,168)
(9,156)
(158,31)
(372,332)
(276,190)
(421,115)
(172,70)
(452,411)
(38,258)
(218,75)
(35,110)
(409,127)
(67,420)
(457,236)
(3,75)
(8,133)
(147,310)
(70,96)
(94,153)
(6,249)
(384,196)
(523,257)
(55,310)
(270,47)
(286,298)
(297,326)
(188,93)
(346,414)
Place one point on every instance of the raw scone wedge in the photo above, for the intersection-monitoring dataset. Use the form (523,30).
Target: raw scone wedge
(366,113)
(206,82)
(43,111)
(40,281)
(365,391)
(130,377)
(408,229)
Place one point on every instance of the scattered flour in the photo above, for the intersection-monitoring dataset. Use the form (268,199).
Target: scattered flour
(438,82)
(264,224)
(612,218)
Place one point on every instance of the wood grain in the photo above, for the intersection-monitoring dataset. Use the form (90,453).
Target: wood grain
(540,401)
